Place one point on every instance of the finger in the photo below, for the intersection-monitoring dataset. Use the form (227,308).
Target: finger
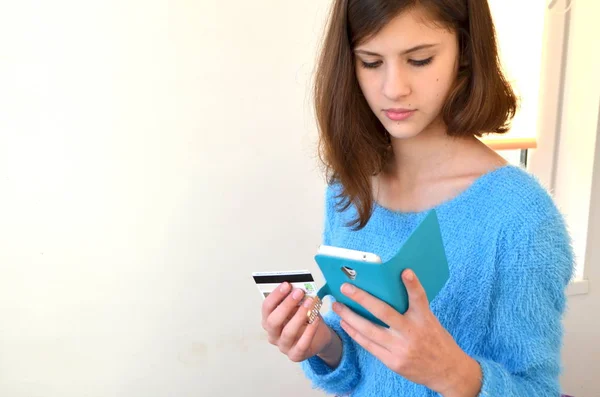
(368,329)
(417,297)
(291,331)
(301,350)
(278,317)
(384,355)
(377,307)
(274,299)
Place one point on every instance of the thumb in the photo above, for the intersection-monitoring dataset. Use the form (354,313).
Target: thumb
(417,298)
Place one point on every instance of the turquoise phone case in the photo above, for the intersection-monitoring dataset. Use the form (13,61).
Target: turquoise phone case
(423,252)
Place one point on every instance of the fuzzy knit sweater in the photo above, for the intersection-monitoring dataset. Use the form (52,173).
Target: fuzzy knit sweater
(510,260)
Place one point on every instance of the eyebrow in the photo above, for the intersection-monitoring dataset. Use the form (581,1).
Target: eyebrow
(413,49)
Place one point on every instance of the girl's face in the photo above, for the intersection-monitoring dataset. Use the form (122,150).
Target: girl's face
(408,65)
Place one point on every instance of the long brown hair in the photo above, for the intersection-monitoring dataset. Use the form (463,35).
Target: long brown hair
(353,144)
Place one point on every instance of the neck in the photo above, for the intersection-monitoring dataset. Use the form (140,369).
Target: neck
(425,155)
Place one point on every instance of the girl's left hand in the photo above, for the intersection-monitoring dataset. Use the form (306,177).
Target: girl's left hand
(416,346)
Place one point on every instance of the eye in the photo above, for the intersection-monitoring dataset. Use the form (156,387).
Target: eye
(420,63)
(372,65)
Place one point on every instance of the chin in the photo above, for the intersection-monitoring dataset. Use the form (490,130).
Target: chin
(402,130)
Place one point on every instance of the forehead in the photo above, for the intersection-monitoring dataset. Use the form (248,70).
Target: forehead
(410,28)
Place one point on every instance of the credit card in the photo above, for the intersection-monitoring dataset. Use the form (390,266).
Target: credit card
(267,282)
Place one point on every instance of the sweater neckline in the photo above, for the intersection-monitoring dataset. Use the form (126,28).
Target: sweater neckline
(471,190)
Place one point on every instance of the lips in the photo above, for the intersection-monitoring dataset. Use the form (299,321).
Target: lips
(399,114)
(398,110)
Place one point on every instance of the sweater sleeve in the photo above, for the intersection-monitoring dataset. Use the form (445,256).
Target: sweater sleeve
(523,352)
(344,378)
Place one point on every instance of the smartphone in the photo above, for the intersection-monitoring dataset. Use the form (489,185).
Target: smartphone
(423,252)
(347,253)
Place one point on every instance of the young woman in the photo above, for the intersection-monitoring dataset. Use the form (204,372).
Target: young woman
(404,88)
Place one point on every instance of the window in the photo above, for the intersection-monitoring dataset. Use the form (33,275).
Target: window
(551,72)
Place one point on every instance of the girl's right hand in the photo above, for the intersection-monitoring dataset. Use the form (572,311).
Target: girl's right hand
(287,325)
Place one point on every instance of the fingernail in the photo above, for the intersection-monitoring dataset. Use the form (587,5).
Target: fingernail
(410,276)
(348,289)
(336,307)
(285,287)
(297,294)
(308,302)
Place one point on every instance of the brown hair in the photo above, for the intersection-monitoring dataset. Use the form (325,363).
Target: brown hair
(353,143)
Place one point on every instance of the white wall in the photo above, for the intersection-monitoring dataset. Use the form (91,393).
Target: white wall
(152,155)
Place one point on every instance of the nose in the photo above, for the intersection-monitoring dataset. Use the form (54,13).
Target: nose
(396,83)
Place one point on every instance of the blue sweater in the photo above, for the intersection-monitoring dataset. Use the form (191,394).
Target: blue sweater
(510,261)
